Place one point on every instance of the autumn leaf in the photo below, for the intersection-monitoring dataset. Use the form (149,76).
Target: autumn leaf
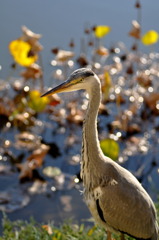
(37,103)
(64,56)
(26,171)
(20,51)
(37,157)
(54,100)
(28,34)
(101,31)
(91,231)
(102,51)
(32,38)
(150,37)
(34,71)
(27,140)
(6,109)
(145,80)
(110,148)
(106,84)
(82,60)
(75,115)
(151,101)
(34,161)
(48,229)
(136,30)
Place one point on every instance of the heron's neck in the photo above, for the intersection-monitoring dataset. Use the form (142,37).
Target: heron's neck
(91,147)
(90,122)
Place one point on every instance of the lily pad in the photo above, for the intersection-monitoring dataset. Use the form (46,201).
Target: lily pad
(110,148)
(51,171)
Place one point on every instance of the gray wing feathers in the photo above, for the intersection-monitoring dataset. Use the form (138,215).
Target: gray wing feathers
(127,207)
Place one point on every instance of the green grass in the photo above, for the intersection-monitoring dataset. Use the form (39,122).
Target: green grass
(23,230)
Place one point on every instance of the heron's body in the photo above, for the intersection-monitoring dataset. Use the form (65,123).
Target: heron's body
(116,199)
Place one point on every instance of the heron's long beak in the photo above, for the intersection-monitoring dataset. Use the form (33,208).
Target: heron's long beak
(63,87)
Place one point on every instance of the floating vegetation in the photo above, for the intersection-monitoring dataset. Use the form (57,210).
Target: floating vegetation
(40,137)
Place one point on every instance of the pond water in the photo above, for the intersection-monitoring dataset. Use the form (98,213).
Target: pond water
(59,21)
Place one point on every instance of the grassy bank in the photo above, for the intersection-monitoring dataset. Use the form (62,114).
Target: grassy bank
(23,230)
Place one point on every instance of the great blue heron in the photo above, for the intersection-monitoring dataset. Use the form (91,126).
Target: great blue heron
(115,198)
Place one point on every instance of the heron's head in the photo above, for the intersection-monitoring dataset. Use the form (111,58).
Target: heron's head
(81,78)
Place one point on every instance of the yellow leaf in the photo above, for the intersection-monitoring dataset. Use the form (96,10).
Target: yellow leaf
(110,148)
(106,85)
(20,51)
(150,37)
(107,79)
(91,231)
(100,31)
(34,94)
(37,103)
(48,229)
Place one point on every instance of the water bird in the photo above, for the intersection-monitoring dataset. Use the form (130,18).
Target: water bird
(115,198)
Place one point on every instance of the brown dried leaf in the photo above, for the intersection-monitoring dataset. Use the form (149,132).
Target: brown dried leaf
(116,124)
(134,47)
(35,46)
(133,128)
(54,100)
(27,140)
(130,69)
(137,4)
(75,115)
(135,140)
(82,60)
(48,229)
(144,79)
(133,109)
(22,120)
(72,44)
(87,30)
(123,121)
(120,99)
(151,101)
(29,34)
(37,157)
(32,38)
(55,50)
(34,72)
(63,56)
(34,161)
(26,170)
(6,108)
(102,51)
(135,32)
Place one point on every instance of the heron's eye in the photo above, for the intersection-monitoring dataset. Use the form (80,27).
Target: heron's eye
(81,80)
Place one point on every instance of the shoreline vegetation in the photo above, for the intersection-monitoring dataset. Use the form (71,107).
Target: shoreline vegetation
(31,230)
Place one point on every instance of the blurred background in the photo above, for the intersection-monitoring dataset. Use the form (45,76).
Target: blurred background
(61,22)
